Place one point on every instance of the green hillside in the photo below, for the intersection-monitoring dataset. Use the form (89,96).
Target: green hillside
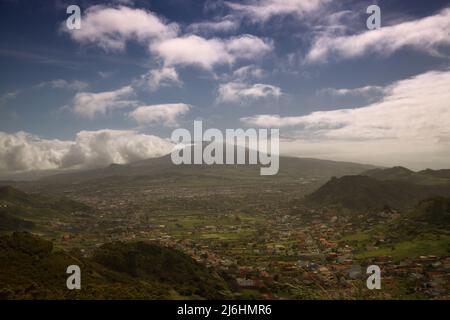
(161,170)
(434,210)
(10,222)
(159,264)
(423,231)
(20,204)
(363,193)
(32,269)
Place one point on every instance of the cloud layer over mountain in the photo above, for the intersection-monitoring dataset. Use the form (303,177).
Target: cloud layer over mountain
(22,151)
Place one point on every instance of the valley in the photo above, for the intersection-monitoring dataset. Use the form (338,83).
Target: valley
(263,237)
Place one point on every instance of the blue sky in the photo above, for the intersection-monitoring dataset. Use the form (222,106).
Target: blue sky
(139,69)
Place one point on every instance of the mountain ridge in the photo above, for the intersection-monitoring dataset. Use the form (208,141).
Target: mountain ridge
(364,193)
(290,167)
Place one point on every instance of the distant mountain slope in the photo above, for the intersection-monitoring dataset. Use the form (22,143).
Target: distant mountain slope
(10,195)
(33,269)
(162,169)
(425,177)
(393,173)
(363,193)
(16,203)
(443,173)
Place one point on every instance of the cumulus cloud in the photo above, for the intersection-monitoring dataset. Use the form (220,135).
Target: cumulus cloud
(247,47)
(75,85)
(88,104)
(242,92)
(414,113)
(164,77)
(21,151)
(166,113)
(262,10)
(413,107)
(111,27)
(225,24)
(427,34)
(206,53)
(103,147)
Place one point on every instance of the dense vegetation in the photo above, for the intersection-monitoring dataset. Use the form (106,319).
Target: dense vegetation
(433,210)
(9,222)
(21,204)
(425,230)
(32,269)
(397,188)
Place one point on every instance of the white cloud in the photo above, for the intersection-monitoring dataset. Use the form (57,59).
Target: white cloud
(226,24)
(248,72)
(21,151)
(192,50)
(411,119)
(166,113)
(87,104)
(247,47)
(362,91)
(103,147)
(242,92)
(164,77)
(414,107)
(75,85)
(261,10)
(111,27)
(426,34)
(206,53)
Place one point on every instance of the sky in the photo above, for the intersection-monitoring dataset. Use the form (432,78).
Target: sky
(114,90)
